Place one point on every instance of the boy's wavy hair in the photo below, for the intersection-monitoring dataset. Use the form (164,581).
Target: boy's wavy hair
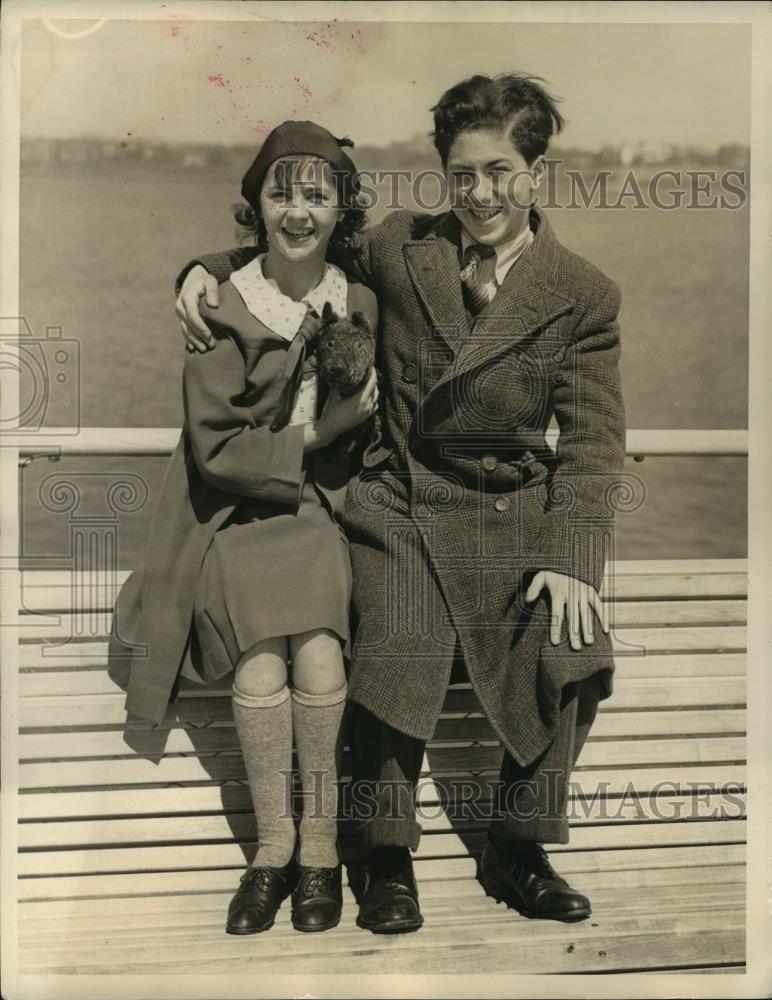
(514,100)
(291,168)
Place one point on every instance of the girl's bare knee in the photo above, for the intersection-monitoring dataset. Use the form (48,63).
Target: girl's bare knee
(317,662)
(319,643)
(262,670)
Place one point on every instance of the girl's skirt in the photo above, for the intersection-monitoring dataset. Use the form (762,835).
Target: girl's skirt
(269,573)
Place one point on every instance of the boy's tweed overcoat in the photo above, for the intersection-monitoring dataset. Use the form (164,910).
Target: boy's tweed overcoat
(447,533)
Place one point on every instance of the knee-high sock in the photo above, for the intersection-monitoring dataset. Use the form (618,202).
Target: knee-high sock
(264,727)
(318,723)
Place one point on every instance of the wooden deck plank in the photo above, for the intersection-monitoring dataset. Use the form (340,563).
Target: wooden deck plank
(111,743)
(652,694)
(230,766)
(37,679)
(632,693)
(624,614)
(678,942)
(138,909)
(544,959)
(441,904)
(63,642)
(52,590)
(35,674)
(700,566)
(445,913)
(608,724)
(230,854)
(196,799)
(135,832)
(687,859)
(608,942)
(669,885)
(674,586)
(43,600)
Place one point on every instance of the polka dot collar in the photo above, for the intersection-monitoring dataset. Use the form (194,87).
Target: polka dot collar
(279,312)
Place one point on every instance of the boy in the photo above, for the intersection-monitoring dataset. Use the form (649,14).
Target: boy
(469,522)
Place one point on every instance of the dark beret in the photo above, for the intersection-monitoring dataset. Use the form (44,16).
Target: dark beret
(292,139)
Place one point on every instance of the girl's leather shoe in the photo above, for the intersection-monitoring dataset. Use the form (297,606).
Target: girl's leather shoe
(317,899)
(257,899)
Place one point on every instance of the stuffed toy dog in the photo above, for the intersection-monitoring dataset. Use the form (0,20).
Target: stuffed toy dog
(345,354)
(345,351)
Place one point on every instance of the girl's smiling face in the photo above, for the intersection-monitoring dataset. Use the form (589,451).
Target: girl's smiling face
(491,185)
(299,207)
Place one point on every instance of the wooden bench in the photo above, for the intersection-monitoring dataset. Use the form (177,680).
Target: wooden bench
(128,859)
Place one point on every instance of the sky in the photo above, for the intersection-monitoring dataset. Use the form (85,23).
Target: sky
(232,81)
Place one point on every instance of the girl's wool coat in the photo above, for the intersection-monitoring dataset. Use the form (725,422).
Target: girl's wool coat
(226,454)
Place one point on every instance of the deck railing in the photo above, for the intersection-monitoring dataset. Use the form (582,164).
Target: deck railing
(149,441)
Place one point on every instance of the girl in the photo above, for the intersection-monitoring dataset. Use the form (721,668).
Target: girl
(247,564)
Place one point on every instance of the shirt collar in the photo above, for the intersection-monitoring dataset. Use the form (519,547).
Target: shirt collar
(279,312)
(506,253)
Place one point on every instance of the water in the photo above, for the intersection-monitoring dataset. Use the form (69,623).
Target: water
(100,251)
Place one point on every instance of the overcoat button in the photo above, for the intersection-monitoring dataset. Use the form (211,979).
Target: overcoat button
(489,462)
(560,356)
(502,504)
(410,373)
(558,378)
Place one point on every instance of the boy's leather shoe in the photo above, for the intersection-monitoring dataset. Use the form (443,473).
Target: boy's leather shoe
(317,899)
(258,898)
(390,901)
(521,875)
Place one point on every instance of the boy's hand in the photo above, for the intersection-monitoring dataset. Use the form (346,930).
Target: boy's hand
(198,282)
(573,600)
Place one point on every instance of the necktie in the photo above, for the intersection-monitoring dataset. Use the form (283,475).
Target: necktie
(302,343)
(475,295)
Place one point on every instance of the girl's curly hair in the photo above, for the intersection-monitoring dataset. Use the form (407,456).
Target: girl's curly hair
(350,199)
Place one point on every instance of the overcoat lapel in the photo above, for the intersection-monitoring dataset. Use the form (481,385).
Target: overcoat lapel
(526,302)
(433,266)
(522,306)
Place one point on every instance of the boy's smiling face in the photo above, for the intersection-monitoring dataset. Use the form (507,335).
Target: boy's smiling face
(491,185)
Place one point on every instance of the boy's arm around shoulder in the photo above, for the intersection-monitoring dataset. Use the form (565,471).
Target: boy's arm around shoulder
(220,265)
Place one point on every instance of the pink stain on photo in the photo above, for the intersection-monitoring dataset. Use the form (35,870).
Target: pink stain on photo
(176,30)
(218,80)
(304,90)
(320,40)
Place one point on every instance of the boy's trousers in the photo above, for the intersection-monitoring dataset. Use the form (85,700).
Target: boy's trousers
(525,803)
